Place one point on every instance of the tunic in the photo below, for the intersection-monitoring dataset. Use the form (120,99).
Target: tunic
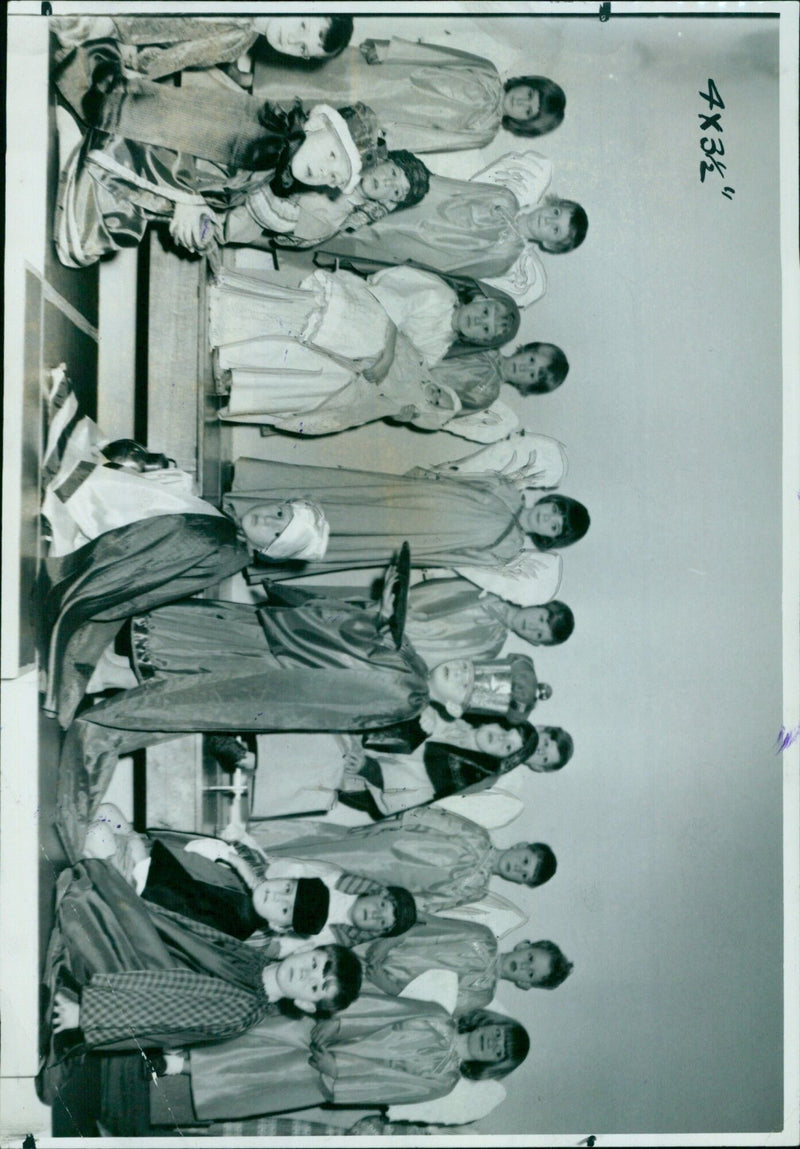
(466,227)
(387,1051)
(445,521)
(469,949)
(443,859)
(448,618)
(427,98)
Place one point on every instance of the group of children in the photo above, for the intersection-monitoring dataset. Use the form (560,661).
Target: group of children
(308,964)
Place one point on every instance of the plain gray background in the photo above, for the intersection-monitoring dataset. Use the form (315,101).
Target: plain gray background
(667,822)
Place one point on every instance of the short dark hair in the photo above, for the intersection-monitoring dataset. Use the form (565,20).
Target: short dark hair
(556,372)
(552,103)
(516,1046)
(576,523)
(405,910)
(418,176)
(547,864)
(229,749)
(338,35)
(560,968)
(561,620)
(346,968)
(578,226)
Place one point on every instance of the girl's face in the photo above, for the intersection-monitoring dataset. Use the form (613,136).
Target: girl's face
(481,321)
(487,1043)
(548,225)
(546,752)
(320,161)
(263,524)
(521,103)
(299,36)
(543,518)
(494,739)
(387,183)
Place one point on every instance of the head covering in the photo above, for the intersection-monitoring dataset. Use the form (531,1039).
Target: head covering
(405,910)
(305,536)
(356,129)
(506,687)
(311,905)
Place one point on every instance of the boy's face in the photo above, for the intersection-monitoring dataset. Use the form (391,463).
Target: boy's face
(548,225)
(299,36)
(373,912)
(273,900)
(543,518)
(386,182)
(305,977)
(451,684)
(546,752)
(533,624)
(518,864)
(528,965)
(529,368)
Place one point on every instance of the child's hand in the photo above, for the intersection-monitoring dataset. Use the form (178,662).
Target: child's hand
(193,226)
(66,1014)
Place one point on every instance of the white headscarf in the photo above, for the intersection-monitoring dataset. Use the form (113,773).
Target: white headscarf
(305,536)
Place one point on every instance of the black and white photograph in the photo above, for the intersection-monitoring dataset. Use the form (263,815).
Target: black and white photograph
(400,617)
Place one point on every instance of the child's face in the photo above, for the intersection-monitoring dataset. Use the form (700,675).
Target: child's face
(529,965)
(373,912)
(481,321)
(299,36)
(263,524)
(548,225)
(528,368)
(320,161)
(521,103)
(273,900)
(494,739)
(533,624)
(386,182)
(546,752)
(543,518)
(451,682)
(306,977)
(518,864)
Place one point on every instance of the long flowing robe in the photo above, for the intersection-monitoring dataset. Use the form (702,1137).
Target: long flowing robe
(427,98)
(445,521)
(469,949)
(86,596)
(213,666)
(451,618)
(466,227)
(443,859)
(387,1051)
